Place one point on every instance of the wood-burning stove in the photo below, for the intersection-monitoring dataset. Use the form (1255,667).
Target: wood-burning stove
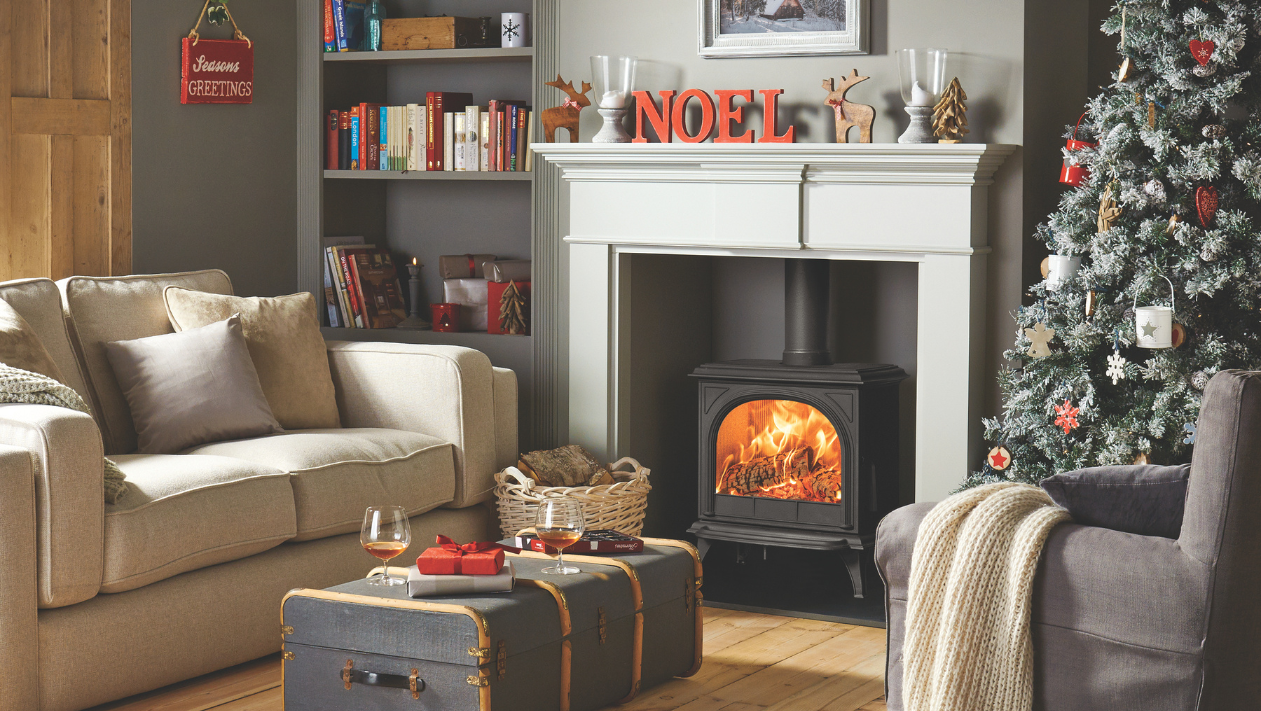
(799,453)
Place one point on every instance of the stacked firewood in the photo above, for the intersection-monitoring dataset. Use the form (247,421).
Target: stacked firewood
(790,474)
(570,465)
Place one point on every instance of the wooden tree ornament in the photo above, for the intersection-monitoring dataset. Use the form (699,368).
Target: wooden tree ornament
(849,114)
(512,311)
(566,115)
(950,115)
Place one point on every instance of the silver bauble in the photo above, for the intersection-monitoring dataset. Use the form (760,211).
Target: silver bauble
(1204,70)
(1215,131)
(1200,380)
(1155,190)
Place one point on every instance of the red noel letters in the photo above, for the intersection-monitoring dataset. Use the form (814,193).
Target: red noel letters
(670,121)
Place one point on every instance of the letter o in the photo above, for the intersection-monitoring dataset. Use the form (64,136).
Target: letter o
(707,116)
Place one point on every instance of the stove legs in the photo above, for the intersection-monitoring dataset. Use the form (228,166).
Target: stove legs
(857,571)
(702,547)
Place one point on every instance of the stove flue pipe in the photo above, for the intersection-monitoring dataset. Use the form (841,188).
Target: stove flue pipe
(806,304)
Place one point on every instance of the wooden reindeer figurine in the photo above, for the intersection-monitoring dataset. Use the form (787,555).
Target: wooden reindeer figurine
(566,115)
(849,114)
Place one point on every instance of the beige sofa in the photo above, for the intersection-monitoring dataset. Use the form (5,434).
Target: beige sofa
(185,574)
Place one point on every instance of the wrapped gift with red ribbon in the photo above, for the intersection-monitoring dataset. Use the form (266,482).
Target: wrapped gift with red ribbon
(451,558)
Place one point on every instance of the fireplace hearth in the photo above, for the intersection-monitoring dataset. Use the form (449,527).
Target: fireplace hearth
(799,453)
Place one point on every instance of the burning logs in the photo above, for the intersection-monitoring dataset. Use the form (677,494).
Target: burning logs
(762,473)
(824,485)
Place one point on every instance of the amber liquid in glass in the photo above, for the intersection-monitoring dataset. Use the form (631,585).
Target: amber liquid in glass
(386,550)
(559,538)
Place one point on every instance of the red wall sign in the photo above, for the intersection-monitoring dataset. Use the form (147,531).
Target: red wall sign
(668,122)
(217,72)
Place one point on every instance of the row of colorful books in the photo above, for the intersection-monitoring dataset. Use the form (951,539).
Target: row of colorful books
(447,132)
(343,25)
(361,285)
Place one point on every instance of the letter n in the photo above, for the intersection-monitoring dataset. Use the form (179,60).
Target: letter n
(660,121)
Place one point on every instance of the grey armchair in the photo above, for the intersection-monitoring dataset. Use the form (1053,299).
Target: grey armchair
(1125,622)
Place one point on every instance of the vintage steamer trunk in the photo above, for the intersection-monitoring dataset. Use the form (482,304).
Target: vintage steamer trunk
(568,642)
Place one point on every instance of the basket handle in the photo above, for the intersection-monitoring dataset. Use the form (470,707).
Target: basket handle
(636,466)
(1172,294)
(1079,120)
(522,479)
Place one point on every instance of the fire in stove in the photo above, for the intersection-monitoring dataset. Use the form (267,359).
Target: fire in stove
(780,449)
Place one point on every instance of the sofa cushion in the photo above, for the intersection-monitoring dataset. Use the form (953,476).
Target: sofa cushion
(39,303)
(21,348)
(185,512)
(283,334)
(105,309)
(190,388)
(1146,499)
(337,473)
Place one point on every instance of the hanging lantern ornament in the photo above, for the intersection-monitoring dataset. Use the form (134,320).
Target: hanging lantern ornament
(1074,173)
(1155,190)
(1059,269)
(1154,324)
(998,458)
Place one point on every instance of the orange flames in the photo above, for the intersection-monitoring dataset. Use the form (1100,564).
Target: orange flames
(781,449)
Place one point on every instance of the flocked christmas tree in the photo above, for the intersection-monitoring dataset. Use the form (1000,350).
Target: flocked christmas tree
(1173,193)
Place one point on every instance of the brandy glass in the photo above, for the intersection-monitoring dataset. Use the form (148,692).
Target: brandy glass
(559,524)
(385,534)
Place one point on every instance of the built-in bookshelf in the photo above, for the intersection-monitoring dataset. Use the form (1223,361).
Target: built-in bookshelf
(424,214)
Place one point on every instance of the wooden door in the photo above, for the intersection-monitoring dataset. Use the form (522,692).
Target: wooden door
(65,138)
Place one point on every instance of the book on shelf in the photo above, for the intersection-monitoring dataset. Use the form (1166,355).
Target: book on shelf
(333,142)
(338,9)
(354,138)
(330,34)
(334,285)
(459,135)
(404,137)
(355,12)
(343,141)
(376,282)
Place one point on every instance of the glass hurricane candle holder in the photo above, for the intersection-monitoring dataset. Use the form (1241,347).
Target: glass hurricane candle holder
(613,79)
(923,75)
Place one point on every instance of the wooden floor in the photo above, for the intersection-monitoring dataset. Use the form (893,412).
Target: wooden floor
(753,662)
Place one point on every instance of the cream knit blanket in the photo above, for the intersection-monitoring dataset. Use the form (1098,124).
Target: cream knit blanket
(967,642)
(17,385)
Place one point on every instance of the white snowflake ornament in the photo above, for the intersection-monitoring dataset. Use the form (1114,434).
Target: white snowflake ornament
(1116,366)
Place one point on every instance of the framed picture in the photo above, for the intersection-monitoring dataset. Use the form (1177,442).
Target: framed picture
(781,28)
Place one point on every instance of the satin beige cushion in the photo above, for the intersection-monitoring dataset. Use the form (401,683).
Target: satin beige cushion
(184,512)
(283,334)
(21,348)
(190,388)
(338,473)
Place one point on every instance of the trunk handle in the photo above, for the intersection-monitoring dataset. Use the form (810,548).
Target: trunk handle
(412,683)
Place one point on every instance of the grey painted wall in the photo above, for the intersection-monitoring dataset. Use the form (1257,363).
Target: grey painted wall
(215,185)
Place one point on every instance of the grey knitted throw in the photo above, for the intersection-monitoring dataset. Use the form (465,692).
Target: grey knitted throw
(23,386)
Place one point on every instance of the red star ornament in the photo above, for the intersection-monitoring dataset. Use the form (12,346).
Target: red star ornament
(1067,416)
(999,458)
(1202,50)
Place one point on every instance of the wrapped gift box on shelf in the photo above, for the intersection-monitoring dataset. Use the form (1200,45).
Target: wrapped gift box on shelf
(463,266)
(451,558)
(505,270)
(470,294)
(508,311)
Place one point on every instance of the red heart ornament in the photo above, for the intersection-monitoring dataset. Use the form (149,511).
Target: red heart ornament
(1202,50)
(1206,204)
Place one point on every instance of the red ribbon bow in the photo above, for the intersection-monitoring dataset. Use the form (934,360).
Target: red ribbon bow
(570,102)
(474,547)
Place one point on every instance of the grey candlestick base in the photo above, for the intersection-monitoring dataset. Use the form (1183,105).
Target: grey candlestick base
(612,130)
(415,321)
(921,128)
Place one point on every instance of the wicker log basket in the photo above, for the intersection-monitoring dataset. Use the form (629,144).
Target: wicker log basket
(618,506)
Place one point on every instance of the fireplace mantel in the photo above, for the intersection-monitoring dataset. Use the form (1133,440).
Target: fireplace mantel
(878,202)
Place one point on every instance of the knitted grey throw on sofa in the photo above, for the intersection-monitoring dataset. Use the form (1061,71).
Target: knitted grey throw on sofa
(23,386)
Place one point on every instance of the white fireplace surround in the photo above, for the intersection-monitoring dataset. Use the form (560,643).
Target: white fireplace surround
(878,202)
